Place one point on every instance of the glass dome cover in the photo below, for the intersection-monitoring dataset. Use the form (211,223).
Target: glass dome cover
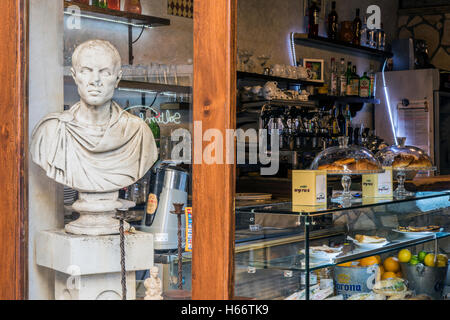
(347,160)
(405,158)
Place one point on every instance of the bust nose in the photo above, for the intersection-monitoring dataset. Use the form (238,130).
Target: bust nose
(95,79)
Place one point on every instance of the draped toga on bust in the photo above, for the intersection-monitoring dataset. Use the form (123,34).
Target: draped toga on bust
(94,158)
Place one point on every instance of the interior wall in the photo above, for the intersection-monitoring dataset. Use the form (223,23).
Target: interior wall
(434,29)
(46,211)
(264,27)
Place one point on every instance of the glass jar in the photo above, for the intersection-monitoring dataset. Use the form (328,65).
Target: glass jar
(133,6)
(114,4)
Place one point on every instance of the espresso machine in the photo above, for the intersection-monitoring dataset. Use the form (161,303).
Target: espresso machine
(168,185)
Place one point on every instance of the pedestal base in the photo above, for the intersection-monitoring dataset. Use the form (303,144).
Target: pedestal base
(106,286)
(97,211)
(88,267)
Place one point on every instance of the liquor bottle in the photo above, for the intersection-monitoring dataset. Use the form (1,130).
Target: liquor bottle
(364,34)
(114,4)
(348,121)
(364,86)
(356,28)
(348,76)
(373,81)
(380,38)
(313,19)
(100,3)
(153,125)
(354,83)
(333,22)
(133,6)
(334,124)
(333,78)
(341,122)
(342,80)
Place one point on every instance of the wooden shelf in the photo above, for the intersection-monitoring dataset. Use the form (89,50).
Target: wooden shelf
(144,86)
(122,17)
(264,78)
(305,39)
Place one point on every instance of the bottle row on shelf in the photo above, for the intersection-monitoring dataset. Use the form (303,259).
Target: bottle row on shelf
(355,32)
(132,6)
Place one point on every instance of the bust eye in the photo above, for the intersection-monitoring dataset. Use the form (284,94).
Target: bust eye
(106,73)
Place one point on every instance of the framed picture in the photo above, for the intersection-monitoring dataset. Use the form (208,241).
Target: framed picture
(315,69)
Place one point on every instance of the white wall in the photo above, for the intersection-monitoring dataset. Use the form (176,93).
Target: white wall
(46,210)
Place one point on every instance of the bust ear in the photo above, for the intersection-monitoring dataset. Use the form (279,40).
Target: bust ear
(119,77)
(73,72)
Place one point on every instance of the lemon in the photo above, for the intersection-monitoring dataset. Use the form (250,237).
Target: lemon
(422,255)
(429,260)
(441,263)
(404,255)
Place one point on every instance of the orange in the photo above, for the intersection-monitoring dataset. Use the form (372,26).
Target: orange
(379,260)
(365,262)
(345,264)
(388,275)
(399,274)
(391,264)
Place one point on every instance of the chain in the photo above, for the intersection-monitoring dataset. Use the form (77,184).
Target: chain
(180,256)
(122,259)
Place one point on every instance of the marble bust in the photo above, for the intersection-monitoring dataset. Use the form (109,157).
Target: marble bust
(96,147)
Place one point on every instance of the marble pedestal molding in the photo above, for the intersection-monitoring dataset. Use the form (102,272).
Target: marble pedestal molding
(97,212)
(88,267)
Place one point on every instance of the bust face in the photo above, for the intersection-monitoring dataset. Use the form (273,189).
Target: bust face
(96,75)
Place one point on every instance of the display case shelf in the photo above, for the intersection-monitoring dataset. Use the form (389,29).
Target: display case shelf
(305,39)
(331,207)
(116,16)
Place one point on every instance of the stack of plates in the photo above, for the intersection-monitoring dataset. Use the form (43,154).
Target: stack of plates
(253,196)
(70,196)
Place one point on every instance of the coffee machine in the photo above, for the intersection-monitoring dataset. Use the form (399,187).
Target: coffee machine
(168,185)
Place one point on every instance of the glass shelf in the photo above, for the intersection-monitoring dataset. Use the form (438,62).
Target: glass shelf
(288,209)
(115,16)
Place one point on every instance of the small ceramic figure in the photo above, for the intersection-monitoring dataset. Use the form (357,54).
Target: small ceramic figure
(153,285)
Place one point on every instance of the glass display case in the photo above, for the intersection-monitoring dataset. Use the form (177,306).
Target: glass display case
(278,244)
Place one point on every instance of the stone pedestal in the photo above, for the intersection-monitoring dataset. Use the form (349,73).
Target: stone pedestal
(88,267)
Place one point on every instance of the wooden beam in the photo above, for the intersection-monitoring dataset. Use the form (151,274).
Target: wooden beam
(13,145)
(214,184)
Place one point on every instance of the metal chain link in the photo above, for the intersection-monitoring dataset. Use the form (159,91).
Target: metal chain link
(122,259)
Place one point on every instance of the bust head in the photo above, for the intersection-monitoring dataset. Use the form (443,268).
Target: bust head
(96,69)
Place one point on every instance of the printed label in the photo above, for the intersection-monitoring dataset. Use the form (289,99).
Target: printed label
(188,215)
(152,204)
(161,237)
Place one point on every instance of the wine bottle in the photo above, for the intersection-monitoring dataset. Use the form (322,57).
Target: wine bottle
(342,80)
(313,19)
(348,76)
(333,78)
(341,122)
(100,3)
(356,28)
(333,22)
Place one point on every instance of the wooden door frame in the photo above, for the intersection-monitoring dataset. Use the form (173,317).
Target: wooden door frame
(13,153)
(214,185)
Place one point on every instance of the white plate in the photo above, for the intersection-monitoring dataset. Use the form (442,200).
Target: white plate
(417,234)
(322,255)
(369,245)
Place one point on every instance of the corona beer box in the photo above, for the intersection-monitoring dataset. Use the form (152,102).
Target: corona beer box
(378,185)
(309,187)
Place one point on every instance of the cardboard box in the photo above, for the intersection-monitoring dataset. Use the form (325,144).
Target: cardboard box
(378,185)
(309,187)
